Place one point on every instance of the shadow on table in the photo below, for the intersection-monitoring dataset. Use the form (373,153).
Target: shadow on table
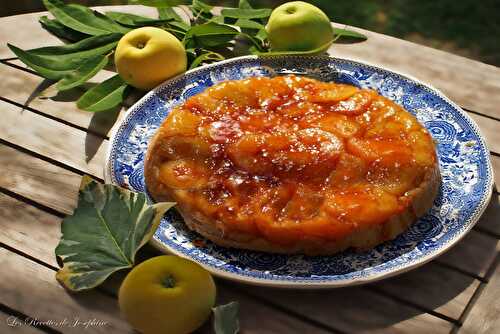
(100,123)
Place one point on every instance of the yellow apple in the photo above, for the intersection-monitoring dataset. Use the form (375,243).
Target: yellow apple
(167,295)
(299,26)
(147,56)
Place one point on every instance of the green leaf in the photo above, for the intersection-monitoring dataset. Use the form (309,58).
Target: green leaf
(244,4)
(226,318)
(159,3)
(167,13)
(55,62)
(87,70)
(349,33)
(261,35)
(181,25)
(104,233)
(82,19)
(239,13)
(207,56)
(256,43)
(38,64)
(216,19)
(108,94)
(59,30)
(211,34)
(132,20)
(201,6)
(248,24)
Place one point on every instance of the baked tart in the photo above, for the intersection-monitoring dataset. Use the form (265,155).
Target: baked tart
(293,165)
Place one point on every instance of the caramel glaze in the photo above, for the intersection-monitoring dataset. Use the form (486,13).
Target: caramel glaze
(290,157)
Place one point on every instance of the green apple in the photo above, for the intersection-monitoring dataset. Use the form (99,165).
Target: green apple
(167,295)
(147,56)
(299,26)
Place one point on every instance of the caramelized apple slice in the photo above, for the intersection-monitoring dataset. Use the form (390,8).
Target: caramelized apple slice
(246,154)
(356,104)
(185,147)
(304,204)
(338,124)
(330,93)
(386,150)
(181,122)
(183,174)
(423,147)
(349,170)
(395,178)
(361,204)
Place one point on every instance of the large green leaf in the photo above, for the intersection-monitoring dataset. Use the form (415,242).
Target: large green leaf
(349,34)
(166,13)
(108,94)
(226,318)
(87,70)
(82,19)
(244,4)
(248,24)
(104,233)
(55,62)
(132,20)
(89,44)
(211,34)
(159,3)
(179,25)
(61,31)
(239,13)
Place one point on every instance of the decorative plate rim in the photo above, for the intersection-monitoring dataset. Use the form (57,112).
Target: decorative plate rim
(306,284)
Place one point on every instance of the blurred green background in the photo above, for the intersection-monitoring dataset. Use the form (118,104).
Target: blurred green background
(469,28)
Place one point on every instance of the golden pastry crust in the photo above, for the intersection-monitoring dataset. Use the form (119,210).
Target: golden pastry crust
(357,172)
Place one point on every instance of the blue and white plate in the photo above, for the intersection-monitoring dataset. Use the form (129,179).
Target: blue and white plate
(463,159)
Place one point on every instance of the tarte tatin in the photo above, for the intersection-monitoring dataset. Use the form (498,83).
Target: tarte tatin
(293,165)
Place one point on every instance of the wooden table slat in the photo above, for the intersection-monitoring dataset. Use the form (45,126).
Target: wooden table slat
(495,162)
(473,254)
(433,287)
(32,289)
(15,325)
(259,318)
(355,310)
(490,220)
(21,222)
(38,180)
(484,313)
(23,88)
(75,148)
(490,129)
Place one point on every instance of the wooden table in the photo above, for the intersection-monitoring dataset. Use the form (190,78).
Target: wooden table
(47,144)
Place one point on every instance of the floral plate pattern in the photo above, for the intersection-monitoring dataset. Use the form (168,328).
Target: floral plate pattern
(463,158)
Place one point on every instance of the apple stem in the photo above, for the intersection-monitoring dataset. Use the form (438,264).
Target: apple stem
(169,282)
